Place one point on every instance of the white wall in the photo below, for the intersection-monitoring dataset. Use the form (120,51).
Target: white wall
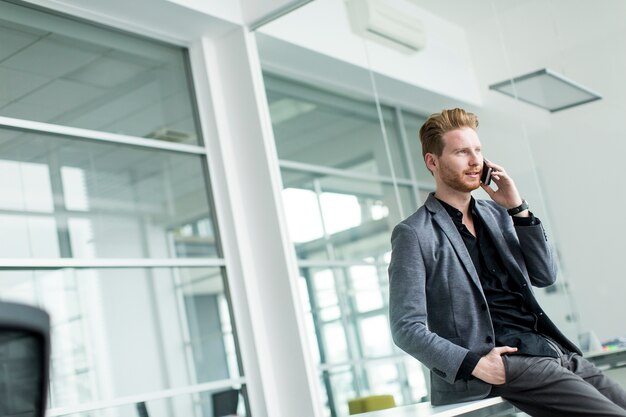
(566,145)
(321,29)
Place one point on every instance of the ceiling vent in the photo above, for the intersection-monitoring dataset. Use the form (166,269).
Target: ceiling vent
(385,22)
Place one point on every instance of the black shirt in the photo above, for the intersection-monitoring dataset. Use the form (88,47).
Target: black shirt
(514,322)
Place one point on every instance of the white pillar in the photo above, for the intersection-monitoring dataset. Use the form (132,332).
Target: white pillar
(261,263)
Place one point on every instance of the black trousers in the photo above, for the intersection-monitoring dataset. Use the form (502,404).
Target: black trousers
(567,386)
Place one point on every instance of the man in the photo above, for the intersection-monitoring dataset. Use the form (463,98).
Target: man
(461,302)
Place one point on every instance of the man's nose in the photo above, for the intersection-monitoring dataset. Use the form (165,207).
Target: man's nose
(475,159)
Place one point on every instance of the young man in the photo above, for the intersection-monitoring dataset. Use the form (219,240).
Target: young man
(461,302)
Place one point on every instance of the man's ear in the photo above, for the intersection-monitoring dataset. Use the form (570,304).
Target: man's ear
(431,162)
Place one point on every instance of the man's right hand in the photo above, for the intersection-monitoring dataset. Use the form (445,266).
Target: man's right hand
(490,368)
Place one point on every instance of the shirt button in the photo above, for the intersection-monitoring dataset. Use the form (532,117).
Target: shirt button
(541,314)
(488,339)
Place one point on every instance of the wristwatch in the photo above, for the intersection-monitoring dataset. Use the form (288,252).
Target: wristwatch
(516,210)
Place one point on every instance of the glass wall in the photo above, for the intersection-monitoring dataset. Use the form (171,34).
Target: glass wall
(67,198)
(344,191)
(70,73)
(118,332)
(346,107)
(80,207)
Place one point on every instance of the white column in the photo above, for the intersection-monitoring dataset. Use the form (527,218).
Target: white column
(261,263)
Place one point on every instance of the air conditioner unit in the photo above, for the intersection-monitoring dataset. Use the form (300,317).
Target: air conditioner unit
(384,22)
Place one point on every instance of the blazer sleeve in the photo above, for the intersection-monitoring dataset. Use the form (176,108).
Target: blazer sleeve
(538,254)
(408,308)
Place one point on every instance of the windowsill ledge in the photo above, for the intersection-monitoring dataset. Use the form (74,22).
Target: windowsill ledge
(481,408)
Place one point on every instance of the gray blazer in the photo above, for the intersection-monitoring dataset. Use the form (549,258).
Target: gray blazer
(437,307)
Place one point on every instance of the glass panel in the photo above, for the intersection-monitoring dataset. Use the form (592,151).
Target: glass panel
(343,383)
(334,334)
(340,218)
(309,322)
(66,72)
(321,128)
(417,376)
(412,125)
(118,332)
(368,293)
(375,336)
(86,199)
(383,378)
(357,354)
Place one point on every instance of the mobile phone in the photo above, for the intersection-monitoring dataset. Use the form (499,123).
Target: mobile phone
(485,177)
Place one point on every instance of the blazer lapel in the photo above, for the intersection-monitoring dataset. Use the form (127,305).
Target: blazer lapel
(441,217)
(495,231)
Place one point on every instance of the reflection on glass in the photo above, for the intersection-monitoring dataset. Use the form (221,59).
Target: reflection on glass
(62,71)
(343,215)
(84,199)
(118,332)
(302,204)
(321,128)
(339,218)
(340,212)
(367,288)
(342,381)
(375,336)
(335,337)
(412,125)
(356,353)
(309,321)
(384,376)
(417,379)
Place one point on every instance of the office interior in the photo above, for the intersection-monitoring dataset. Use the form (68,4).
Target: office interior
(201,193)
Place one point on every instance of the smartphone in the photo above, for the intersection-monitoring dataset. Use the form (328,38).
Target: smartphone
(485,177)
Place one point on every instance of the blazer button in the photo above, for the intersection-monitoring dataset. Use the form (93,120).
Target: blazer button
(488,339)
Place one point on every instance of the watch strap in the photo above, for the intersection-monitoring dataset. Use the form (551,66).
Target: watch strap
(516,210)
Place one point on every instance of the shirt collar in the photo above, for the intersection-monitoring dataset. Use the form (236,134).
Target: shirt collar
(455,213)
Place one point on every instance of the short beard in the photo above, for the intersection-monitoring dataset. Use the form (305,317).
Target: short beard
(455,181)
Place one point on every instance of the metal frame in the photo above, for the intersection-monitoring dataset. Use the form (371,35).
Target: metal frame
(290,7)
(319,169)
(150,396)
(88,134)
(77,263)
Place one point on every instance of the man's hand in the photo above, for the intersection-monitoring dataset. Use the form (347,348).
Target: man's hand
(506,195)
(490,368)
